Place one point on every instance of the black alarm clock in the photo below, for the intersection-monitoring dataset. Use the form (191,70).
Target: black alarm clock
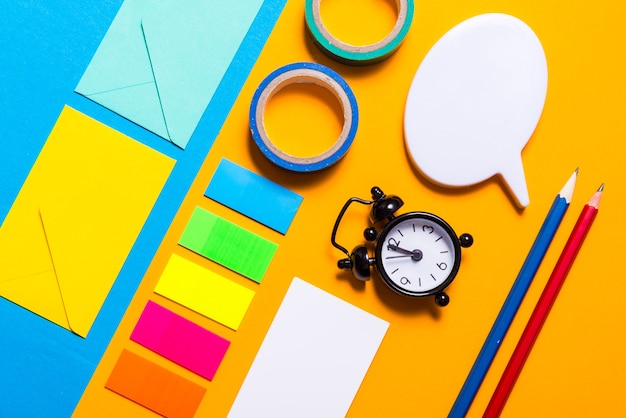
(416,254)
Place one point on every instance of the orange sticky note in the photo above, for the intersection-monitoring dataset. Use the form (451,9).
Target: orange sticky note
(154,387)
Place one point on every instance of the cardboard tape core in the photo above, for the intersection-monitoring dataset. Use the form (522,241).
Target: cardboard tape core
(354,54)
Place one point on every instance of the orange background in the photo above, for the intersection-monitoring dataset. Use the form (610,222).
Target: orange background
(577,367)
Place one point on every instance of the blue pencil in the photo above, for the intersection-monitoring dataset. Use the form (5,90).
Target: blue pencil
(514,299)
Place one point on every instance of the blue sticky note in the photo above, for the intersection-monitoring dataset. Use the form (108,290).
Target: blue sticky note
(161,62)
(253,196)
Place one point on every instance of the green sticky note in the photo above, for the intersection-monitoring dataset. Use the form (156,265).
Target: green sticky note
(228,244)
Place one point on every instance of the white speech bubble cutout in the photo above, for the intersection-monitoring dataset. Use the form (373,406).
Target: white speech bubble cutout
(475,101)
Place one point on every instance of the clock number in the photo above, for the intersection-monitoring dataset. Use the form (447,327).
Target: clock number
(442,266)
(404,281)
(392,244)
(427,228)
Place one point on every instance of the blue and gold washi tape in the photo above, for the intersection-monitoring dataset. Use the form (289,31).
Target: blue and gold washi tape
(304,72)
(353,54)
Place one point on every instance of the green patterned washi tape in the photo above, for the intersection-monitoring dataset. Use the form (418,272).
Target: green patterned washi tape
(353,54)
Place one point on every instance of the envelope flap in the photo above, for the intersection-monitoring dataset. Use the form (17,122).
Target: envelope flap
(121,59)
(87,253)
(91,232)
(27,275)
(23,243)
(139,102)
(191,45)
(120,75)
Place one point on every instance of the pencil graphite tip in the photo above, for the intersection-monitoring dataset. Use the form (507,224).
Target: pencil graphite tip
(595,199)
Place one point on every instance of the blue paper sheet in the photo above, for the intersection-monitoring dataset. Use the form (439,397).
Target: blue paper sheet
(45,50)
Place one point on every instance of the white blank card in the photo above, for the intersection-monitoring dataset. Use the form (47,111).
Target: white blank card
(313,359)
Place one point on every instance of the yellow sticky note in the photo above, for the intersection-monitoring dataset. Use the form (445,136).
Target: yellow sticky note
(204,291)
(76,218)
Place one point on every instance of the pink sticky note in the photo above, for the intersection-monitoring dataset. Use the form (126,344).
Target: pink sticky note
(180,340)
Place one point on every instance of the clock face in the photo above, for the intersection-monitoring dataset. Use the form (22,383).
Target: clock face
(418,254)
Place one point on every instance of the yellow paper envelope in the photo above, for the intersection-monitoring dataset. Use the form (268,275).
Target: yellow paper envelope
(76,218)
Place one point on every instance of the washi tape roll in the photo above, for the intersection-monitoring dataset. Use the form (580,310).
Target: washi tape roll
(353,54)
(304,72)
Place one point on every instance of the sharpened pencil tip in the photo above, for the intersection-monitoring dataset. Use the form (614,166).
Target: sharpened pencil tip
(568,190)
(595,199)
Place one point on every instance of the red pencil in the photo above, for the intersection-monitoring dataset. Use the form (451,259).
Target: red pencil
(543,306)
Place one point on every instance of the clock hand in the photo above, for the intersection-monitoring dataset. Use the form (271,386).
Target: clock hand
(397,248)
(415,254)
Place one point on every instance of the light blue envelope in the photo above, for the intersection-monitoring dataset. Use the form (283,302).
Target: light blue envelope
(160,62)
